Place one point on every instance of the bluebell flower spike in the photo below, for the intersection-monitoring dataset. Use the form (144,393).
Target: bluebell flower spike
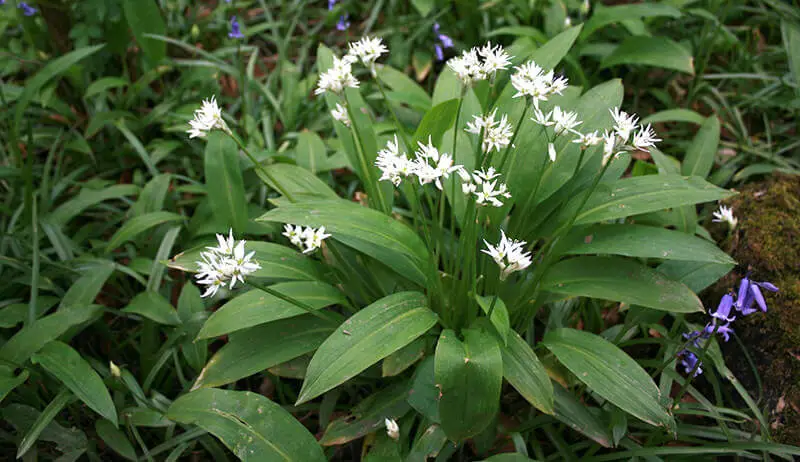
(343,23)
(236,31)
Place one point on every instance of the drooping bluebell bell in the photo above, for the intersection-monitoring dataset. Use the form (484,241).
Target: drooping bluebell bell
(725,331)
(723,312)
(689,361)
(236,31)
(750,294)
(331,4)
(444,42)
(27,10)
(343,23)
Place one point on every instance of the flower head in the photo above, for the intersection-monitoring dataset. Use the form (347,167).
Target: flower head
(368,50)
(331,4)
(564,120)
(496,134)
(343,24)
(484,185)
(531,80)
(624,124)
(306,239)
(431,166)
(236,32)
(444,41)
(495,58)
(725,215)
(691,362)
(645,138)
(27,10)
(393,165)
(467,67)
(509,255)
(588,139)
(338,77)
(392,429)
(228,262)
(207,118)
(340,113)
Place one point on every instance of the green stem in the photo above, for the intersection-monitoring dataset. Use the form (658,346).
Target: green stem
(35,268)
(318,313)
(701,357)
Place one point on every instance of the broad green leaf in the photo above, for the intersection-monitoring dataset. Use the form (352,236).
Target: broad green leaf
(297,181)
(373,233)
(251,426)
(696,275)
(224,182)
(70,442)
(610,373)
(427,445)
(651,51)
(643,242)
(143,417)
(370,335)
(424,393)
(368,415)
(258,348)
(524,371)
(622,280)
(402,84)
(137,146)
(31,339)
(9,381)
(551,53)
(310,151)
(258,307)
(17,313)
(499,317)
(435,123)
(140,224)
(87,198)
(642,194)
(152,197)
(469,375)
(104,84)
(791,41)
(674,115)
(75,373)
(85,289)
(192,314)
(144,17)
(155,307)
(277,262)
(115,439)
(423,6)
(579,417)
(403,358)
(52,70)
(700,155)
(603,16)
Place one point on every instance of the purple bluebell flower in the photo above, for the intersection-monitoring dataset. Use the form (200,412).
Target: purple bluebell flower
(444,42)
(27,10)
(725,331)
(689,361)
(439,52)
(750,294)
(343,23)
(447,42)
(236,31)
(331,4)
(724,309)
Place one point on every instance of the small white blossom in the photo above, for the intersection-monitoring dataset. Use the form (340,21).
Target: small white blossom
(531,80)
(483,183)
(467,67)
(564,120)
(392,164)
(609,146)
(306,239)
(544,119)
(340,114)
(495,58)
(496,134)
(294,233)
(207,118)
(509,255)
(392,429)
(645,138)
(624,124)
(338,77)
(551,151)
(430,166)
(225,263)
(368,50)
(588,139)
(725,215)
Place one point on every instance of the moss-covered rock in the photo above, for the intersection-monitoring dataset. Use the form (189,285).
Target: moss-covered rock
(766,242)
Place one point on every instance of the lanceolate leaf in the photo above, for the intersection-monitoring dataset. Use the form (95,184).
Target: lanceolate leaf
(603,16)
(87,198)
(551,53)
(138,225)
(153,306)
(580,417)
(642,241)
(469,375)
(76,374)
(250,425)
(368,416)
(144,17)
(258,348)
(436,121)
(371,232)
(258,307)
(298,182)
(524,371)
(651,51)
(619,279)
(610,373)
(224,182)
(369,336)
(701,152)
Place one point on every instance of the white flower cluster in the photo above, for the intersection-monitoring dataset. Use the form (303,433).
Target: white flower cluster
(367,50)
(509,255)
(340,114)
(624,136)
(429,165)
(531,80)
(480,63)
(485,186)
(496,134)
(207,118)
(725,215)
(226,262)
(338,77)
(306,239)
(561,121)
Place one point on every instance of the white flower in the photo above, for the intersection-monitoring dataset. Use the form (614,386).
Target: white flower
(467,67)
(551,151)
(306,239)
(624,124)
(483,183)
(393,165)
(368,50)
(496,135)
(542,118)
(509,255)
(340,114)
(338,77)
(430,166)
(725,215)
(494,58)
(531,80)
(588,139)
(567,22)
(645,138)
(207,118)
(225,263)
(392,429)
(564,120)
(609,145)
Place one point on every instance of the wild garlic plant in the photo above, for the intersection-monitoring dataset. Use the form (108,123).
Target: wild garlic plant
(489,215)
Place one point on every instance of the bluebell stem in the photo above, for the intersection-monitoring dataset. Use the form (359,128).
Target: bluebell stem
(27,10)
(343,23)
(236,31)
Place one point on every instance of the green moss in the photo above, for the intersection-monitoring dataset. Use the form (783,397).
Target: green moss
(767,243)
